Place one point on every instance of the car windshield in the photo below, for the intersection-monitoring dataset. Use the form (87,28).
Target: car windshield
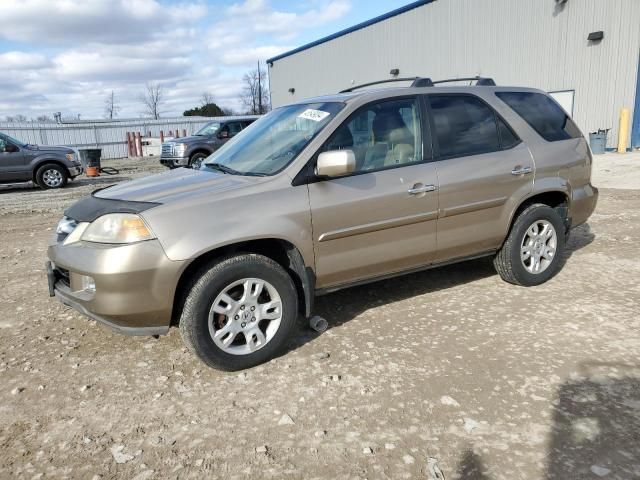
(273,141)
(13,140)
(208,129)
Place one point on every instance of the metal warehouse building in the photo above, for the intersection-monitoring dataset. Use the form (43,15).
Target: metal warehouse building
(587,52)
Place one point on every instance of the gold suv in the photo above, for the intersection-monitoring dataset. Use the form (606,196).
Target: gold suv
(321,195)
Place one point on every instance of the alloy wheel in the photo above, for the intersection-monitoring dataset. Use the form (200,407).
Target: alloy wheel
(538,247)
(245,316)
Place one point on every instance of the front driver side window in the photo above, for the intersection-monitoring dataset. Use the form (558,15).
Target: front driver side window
(381,135)
(234,128)
(3,145)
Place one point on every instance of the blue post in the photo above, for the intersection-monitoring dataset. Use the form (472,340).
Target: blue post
(635,130)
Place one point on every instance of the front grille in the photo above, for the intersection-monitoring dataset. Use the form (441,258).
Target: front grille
(167,149)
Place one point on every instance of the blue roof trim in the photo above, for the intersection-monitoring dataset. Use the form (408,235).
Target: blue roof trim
(346,31)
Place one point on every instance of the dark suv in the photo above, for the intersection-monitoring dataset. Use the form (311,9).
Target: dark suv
(191,151)
(49,167)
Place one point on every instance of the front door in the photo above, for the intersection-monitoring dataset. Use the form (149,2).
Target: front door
(380,219)
(481,165)
(12,162)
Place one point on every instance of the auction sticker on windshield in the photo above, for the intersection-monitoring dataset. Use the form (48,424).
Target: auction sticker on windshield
(315,115)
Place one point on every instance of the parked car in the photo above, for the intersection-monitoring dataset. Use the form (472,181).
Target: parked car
(48,167)
(191,151)
(321,195)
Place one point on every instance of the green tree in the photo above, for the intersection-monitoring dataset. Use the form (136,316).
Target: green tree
(208,110)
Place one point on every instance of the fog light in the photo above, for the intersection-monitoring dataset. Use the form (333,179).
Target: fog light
(88,284)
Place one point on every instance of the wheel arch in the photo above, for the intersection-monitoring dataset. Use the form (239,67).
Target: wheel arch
(555,198)
(281,251)
(46,161)
(200,150)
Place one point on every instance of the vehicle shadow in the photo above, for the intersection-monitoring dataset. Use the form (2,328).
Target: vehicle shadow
(595,431)
(82,182)
(580,237)
(471,467)
(596,425)
(344,305)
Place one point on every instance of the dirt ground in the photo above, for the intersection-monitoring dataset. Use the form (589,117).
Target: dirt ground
(449,373)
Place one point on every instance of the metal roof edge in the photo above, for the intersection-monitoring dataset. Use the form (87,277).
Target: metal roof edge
(354,28)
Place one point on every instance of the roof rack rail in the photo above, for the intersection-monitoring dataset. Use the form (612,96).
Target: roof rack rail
(480,81)
(416,82)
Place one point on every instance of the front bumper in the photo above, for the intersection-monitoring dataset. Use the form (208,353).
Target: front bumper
(134,284)
(75,171)
(174,161)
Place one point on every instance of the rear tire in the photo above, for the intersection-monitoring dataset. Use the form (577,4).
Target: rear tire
(52,175)
(532,253)
(239,312)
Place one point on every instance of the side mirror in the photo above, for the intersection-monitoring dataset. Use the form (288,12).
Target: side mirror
(223,134)
(336,163)
(11,148)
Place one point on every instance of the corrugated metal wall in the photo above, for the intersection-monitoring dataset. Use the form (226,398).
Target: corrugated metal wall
(533,43)
(110,136)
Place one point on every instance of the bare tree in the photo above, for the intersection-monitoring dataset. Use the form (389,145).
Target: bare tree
(16,118)
(44,119)
(152,99)
(111,107)
(207,98)
(255,94)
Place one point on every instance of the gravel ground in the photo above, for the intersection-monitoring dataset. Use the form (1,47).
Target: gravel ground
(449,373)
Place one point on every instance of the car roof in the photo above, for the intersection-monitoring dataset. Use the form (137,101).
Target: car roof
(383,92)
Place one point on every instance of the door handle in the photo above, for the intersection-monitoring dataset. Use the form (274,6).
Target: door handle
(518,170)
(415,190)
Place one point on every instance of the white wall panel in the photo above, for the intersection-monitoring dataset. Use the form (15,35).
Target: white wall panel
(531,43)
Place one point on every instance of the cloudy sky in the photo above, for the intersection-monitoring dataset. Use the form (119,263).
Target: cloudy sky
(67,55)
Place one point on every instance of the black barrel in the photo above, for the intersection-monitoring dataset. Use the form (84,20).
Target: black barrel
(90,157)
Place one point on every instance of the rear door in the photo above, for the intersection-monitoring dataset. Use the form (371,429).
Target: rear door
(481,165)
(380,219)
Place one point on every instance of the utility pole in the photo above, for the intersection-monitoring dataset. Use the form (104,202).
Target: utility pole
(259,91)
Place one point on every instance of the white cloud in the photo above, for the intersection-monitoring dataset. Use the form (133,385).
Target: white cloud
(113,21)
(252,19)
(94,66)
(67,55)
(249,56)
(23,61)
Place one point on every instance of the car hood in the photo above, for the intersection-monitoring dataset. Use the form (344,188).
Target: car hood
(192,139)
(46,149)
(175,185)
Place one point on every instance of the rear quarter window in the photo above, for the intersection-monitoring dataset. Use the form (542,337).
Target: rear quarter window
(543,114)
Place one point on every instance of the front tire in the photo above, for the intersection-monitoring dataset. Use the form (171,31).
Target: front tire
(532,253)
(239,312)
(51,175)
(196,160)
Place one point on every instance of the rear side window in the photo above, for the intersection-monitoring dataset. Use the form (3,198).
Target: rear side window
(508,139)
(543,114)
(464,125)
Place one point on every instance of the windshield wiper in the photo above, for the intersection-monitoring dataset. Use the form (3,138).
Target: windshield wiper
(231,171)
(223,168)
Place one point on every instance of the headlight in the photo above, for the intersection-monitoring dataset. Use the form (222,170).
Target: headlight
(180,148)
(71,157)
(117,228)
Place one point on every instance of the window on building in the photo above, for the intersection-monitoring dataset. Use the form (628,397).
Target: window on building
(543,114)
(463,125)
